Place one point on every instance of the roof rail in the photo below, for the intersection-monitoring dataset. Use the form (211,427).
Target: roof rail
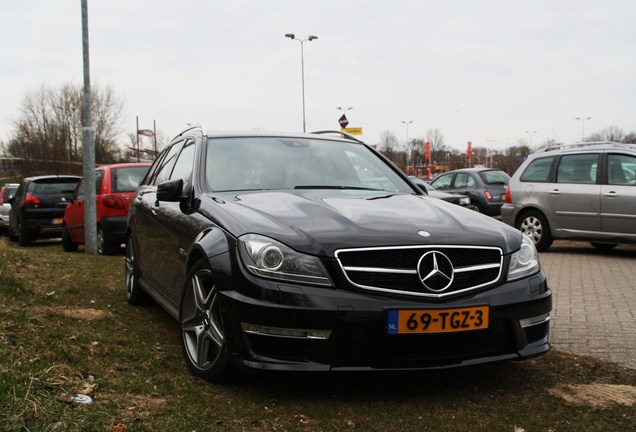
(193,126)
(344,134)
(562,146)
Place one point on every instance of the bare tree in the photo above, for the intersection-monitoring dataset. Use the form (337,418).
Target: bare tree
(611,133)
(48,131)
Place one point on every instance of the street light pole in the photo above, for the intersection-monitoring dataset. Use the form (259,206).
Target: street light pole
(407,123)
(531,133)
(302,67)
(582,119)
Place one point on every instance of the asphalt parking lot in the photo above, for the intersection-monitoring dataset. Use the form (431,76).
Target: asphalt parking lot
(594,310)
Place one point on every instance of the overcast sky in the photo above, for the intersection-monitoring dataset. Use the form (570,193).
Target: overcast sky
(481,71)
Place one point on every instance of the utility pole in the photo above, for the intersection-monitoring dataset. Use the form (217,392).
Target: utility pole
(88,148)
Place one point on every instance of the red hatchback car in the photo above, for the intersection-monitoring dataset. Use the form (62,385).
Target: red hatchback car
(114,187)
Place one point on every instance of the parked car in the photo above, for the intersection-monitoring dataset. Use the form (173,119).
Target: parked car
(38,207)
(6,194)
(114,187)
(275,255)
(485,187)
(457,199)
(578,192)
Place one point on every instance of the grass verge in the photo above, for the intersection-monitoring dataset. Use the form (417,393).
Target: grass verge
(66,329)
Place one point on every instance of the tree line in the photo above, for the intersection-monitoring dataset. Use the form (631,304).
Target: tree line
(48,132)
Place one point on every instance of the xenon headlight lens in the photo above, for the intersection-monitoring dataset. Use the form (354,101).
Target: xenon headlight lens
(525,261)
(265,257)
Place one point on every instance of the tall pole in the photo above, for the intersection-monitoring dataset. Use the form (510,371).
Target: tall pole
(531,133)
(407,123)
(88,148)
(302,68)
(583,119)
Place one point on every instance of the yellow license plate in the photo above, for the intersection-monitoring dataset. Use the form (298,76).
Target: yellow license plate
(57,221)
(412,321)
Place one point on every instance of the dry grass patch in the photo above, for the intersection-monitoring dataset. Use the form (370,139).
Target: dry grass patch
(598,396)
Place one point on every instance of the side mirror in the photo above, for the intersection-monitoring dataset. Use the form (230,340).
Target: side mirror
(171,190)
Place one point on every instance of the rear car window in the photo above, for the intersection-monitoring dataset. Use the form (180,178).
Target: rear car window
(128,179)
(494,177)
(53,186)
(538,170)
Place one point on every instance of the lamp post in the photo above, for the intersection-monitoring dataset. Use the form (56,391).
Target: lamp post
(302,67)
(489,155)
(582,119)
(407,123)
(344,109)
(531,133)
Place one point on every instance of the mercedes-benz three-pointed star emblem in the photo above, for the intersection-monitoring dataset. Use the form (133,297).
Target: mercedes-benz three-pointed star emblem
(435,271)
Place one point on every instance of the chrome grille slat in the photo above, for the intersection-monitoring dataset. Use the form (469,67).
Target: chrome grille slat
(475,267)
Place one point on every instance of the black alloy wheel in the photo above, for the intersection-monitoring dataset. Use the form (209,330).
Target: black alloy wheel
(135,295)
(202,333)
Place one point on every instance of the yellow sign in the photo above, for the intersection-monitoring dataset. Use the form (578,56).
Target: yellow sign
(352,131)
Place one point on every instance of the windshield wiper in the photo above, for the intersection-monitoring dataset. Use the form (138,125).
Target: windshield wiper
(342,187)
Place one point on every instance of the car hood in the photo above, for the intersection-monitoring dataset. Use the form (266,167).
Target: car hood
(319,222)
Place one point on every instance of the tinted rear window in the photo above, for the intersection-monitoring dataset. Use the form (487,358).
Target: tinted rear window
(128,179)
(538,170)
(53,186)
(494,177)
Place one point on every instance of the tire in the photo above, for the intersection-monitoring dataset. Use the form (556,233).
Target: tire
(202,334)
(135,295)
(25,238)
(535,226)
(67,243)
(104,247)
(604,246)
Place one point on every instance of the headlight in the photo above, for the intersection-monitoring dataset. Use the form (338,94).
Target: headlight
(269,258)
(525,261)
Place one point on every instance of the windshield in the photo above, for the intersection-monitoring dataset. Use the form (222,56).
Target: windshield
(264,163)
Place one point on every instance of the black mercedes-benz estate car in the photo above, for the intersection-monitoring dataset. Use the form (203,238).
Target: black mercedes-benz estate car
(313,252)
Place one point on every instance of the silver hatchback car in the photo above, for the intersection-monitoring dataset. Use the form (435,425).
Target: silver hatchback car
(578,192)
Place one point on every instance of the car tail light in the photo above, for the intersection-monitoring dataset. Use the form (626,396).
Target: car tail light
(488,196)
(30,200)
(2,195)
(114,202)
(508,195)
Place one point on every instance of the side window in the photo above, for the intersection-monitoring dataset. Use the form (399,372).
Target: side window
(79,190)
(165,168)
(442,182)
(463,180)
(578,168)
(99,177)
(183,166)
(621,169)
(538,170)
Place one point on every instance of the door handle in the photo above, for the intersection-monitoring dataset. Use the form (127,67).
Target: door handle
(611,194)
(555,192)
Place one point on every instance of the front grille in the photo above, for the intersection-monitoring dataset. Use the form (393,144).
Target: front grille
(395,269)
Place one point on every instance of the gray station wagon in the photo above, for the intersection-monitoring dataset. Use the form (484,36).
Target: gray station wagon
(578,192)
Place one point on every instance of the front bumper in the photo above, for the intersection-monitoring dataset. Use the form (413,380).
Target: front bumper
(356,325)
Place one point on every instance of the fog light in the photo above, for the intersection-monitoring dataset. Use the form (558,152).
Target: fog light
(527,322)
(285,332)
